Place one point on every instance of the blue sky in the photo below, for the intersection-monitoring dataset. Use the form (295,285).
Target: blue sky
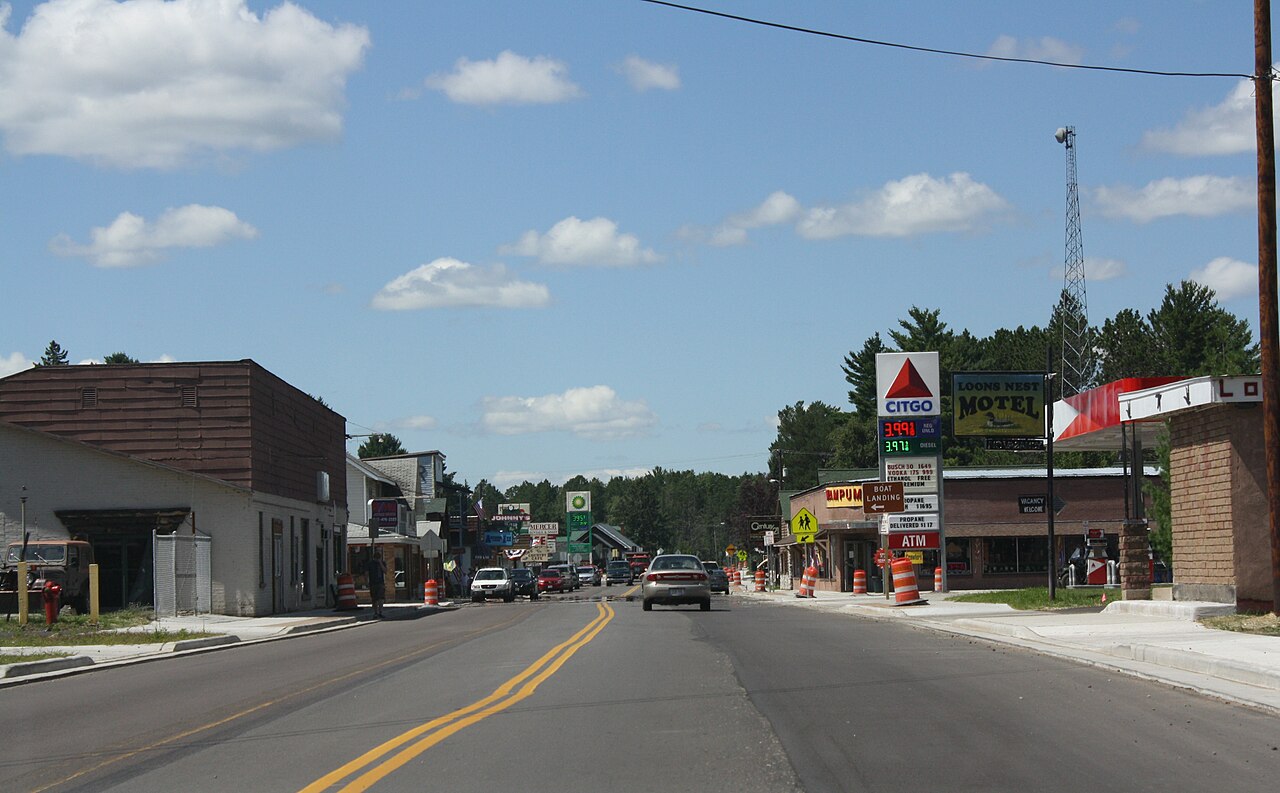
(590,236)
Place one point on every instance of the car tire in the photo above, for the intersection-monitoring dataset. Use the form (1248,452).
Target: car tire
(648,605)
(534,596)
(705,605)
(508,598)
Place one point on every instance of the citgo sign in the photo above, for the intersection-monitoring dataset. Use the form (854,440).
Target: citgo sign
(907,384)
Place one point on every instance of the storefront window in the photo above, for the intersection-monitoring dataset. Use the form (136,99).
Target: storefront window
(1016,555)
(359,565)
(959,562)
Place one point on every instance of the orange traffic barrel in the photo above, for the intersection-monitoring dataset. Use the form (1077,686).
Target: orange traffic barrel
(431,593)
(759,580)
(937,579)
(859,582)
(347,593)
(905,591)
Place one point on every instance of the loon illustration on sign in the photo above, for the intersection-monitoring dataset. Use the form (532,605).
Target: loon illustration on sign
(907,384)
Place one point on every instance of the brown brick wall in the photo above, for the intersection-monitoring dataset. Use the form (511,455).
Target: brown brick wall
(1200,494)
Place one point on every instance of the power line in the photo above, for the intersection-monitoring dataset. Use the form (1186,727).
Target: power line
(934,51)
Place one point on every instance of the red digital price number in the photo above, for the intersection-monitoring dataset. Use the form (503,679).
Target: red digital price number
(899,429)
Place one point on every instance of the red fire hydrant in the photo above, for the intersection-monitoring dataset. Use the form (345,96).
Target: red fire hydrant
(52,592)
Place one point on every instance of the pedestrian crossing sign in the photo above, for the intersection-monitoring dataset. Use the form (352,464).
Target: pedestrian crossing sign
(804,526)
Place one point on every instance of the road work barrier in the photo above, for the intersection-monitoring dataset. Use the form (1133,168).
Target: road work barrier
(760,580)
(859,582)
(937,579)
(431,593)
(905,591)
(346,593)
(807,582)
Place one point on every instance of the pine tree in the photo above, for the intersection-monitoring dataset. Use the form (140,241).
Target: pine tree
(54,355)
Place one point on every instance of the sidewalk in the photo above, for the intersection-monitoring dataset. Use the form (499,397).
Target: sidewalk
(230,630)
(1157,640)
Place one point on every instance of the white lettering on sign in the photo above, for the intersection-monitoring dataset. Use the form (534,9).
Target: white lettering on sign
(544,529)
(917,474)
(912,522)
(913,540)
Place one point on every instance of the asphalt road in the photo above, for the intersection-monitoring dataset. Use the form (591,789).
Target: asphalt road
(577,695)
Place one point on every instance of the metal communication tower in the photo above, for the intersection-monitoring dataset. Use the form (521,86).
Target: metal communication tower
(1077,348)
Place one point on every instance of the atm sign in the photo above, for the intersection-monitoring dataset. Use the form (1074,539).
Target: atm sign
(913,541)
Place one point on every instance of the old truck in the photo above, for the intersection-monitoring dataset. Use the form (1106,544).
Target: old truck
(62,562)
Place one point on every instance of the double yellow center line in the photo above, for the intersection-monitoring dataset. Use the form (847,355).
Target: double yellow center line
(371,767)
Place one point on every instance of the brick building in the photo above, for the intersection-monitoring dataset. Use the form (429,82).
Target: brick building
(224,451)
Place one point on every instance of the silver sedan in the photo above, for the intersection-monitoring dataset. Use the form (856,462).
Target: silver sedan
(673,579)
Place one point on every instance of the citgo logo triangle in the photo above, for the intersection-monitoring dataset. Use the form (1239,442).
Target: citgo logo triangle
(908,384)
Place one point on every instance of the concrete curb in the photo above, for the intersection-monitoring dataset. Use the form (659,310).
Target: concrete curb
(1199,663)
(195,644)
(25,668)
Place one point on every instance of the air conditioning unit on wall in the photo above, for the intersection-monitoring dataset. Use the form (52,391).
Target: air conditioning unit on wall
(322,486)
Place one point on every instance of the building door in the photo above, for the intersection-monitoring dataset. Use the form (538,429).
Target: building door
(277,565)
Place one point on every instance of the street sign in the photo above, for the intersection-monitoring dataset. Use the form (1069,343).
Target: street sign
(768,538)
(742,556)
(544,529)
(730,549)
(882,557)
(498,538)
(804,526)
(879,498)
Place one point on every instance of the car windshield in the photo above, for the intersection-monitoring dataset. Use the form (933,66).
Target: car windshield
(490,575)
(46,554)
(550,573)
(521,574)
(676,563)
(710,567)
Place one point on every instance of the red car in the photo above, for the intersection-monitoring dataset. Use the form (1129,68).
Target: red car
(551,580)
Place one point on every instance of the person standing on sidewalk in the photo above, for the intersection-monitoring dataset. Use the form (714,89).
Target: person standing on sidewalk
(377,571)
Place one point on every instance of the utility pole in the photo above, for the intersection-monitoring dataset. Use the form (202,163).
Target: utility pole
(1267,325)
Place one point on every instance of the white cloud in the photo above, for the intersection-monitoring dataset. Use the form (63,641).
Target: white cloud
(1197,196)
(149,84)
(13,363)
(1099,269)
(130,240)
(918,204)
(509,79)
(416,423)
(1045,48)
(1225,128)
(594,242)
(644,75)
(779,207)
(596,413)
(1229,278)
(449,283)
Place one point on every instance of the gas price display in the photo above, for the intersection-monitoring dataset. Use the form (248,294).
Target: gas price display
(909,436)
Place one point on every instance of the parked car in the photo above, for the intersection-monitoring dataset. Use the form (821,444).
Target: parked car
(525,583)
(589,574)
(673,579)
(492,582)
(570,573)
(551,580)
(618,571)
(717,578)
